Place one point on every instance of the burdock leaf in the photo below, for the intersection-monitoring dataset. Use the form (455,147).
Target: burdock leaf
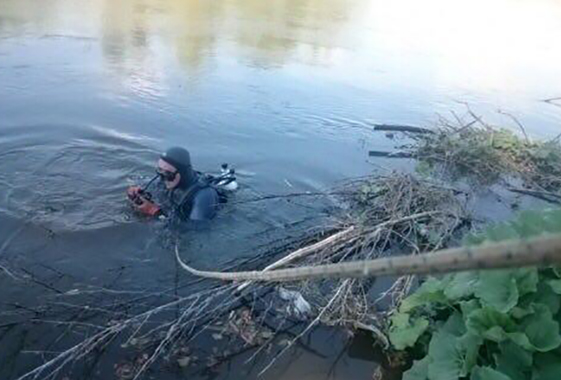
(455,325)
(462,285)
(526,280)
(497,289)
(419,370)
(542,330)
(501,232)
(490,324)
(469,345)
(530,224)
(468,307)
(487,373)
(404,332)
(522,340)
(446,360)
(514,361)
(547,296)
(452,357)
(432,291)
(555,285)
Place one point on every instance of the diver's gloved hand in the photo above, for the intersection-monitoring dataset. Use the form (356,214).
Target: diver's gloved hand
(141,203)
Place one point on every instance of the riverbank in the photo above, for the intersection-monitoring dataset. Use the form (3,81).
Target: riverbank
(426,212)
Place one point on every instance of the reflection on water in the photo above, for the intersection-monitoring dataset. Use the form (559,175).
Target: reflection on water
(398,61)
(498,49)
(363,59)
(269,34)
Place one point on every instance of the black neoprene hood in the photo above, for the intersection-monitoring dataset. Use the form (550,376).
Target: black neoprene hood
(181,159)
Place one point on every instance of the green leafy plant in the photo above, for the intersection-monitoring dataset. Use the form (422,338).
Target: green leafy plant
(486,325)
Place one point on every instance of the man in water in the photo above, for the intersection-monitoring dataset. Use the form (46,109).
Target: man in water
(185,192)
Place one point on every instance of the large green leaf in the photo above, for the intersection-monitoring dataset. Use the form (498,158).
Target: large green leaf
(487,373)
(514,361)
(501,232)
(467,307)
(555,286)
(446,360)
(469,345)
(546,296)
(521,340)
(451,356)
(526,280)
(530,224)
(455,325)
(405,332)
(497,289)
(432,291)
(521,312)
(461,285)
(490,324)
(419,370)
(549,220)
(542,330)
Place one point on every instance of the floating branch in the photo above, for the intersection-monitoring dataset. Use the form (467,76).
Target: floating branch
(543,195)
(400,128)
(399,154)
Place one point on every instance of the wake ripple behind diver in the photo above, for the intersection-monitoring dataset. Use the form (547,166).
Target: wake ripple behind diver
(181,193)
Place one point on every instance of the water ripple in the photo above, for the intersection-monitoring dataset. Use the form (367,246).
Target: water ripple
(69,177)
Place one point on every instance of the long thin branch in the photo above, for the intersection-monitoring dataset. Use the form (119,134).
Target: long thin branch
(544,250)
(515,119)
(300,253)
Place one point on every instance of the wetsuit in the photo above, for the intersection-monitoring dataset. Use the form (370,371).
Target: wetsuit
(198,202)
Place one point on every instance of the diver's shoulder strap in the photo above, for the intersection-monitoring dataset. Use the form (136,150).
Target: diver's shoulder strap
(192,191)
(186,201)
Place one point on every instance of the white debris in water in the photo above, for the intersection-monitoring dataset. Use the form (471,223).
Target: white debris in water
(298,306)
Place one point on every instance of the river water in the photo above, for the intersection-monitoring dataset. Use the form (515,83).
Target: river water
(285,90)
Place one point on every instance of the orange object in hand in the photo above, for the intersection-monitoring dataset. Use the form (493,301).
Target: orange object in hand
(140,203)
(133,191)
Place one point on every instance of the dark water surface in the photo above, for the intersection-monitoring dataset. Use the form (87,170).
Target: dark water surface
(285,90)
